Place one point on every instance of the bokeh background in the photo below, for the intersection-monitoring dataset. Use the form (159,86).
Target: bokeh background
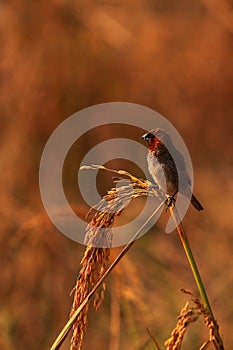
(58,57)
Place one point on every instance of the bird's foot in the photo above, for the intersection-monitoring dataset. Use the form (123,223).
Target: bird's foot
(170,201)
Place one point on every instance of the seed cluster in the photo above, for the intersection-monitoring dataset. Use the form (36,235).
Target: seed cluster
(98,240)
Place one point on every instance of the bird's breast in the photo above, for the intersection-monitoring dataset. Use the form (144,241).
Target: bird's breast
(161,174)
(156,170)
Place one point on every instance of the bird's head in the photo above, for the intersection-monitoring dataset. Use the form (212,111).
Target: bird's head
(155,138)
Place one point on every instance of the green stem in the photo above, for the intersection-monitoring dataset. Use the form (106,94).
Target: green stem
(196,274)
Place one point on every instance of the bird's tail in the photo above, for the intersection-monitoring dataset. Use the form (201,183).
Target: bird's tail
(196,203)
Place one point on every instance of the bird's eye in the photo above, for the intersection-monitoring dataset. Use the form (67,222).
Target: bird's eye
(148,137)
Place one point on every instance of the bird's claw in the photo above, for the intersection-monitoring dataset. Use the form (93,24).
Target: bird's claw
(170,201)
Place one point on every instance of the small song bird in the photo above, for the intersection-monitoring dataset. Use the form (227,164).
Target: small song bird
(163,169)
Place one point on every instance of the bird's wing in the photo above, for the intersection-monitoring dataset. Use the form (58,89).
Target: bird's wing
(181,167)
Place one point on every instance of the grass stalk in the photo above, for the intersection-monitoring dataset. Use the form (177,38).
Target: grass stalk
(196,274)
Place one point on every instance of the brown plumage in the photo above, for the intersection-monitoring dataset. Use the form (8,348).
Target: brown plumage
(163,169)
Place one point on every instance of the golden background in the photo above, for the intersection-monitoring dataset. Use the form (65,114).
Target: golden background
(58,57)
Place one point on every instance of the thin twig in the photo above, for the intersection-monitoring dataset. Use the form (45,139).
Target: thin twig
(153,338)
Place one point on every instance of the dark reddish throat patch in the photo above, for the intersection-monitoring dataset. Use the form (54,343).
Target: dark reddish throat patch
(154,143)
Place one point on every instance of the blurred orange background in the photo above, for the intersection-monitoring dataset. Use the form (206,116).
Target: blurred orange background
(58,57)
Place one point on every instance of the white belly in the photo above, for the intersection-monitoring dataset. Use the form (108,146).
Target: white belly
(157,172)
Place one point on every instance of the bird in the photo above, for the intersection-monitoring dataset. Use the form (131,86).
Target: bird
(163,168)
